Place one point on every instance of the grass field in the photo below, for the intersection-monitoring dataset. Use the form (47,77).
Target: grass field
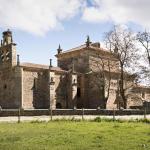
(71,135)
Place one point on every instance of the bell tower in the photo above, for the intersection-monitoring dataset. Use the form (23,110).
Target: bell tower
(7,37)
(7,50)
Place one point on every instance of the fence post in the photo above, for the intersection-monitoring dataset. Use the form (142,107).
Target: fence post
(145,113)
(0,110)
(82,113)
(114,114)
(19,115)
(51,114)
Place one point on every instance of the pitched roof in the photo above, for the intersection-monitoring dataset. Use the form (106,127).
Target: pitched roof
(93,46)
(39,66)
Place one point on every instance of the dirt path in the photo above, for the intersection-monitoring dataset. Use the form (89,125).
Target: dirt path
(86,117)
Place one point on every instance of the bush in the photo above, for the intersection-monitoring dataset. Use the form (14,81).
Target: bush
(38,121)
(97,119)
(145,120)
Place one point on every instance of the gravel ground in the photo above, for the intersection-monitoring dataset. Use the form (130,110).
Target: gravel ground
(86,117)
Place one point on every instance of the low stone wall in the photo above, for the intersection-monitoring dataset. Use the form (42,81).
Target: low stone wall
(40,112)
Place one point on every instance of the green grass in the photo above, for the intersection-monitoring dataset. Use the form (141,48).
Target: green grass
(75,135)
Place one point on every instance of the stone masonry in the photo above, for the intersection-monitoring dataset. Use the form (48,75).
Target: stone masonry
(80,81)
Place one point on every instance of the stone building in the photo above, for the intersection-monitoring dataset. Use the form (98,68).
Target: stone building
(85,77)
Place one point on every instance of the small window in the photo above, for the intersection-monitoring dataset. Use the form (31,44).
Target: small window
(143,95)
(35,84)
(5,86)
(58,105)
(78,92)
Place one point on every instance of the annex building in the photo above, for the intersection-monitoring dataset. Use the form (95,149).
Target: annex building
(86,77)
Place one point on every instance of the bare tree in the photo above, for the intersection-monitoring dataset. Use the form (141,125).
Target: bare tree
(102,72)
(144,39)
(144,69)
(143,75)
(121,42)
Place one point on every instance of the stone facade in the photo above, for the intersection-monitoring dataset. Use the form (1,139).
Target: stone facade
(75,83)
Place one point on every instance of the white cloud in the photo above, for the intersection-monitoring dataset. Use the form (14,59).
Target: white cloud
(93,15)
(37,16)
(40,16)
(118,11)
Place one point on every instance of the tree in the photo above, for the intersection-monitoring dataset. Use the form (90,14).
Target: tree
(144,70)
(101,71)
(144,39)
(121,43)
(143,75)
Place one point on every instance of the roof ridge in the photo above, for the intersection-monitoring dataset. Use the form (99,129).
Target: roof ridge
(75,48)
(84,46)
(40,66)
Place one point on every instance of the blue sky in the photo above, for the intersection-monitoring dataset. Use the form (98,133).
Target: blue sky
(39,49)
(40,26)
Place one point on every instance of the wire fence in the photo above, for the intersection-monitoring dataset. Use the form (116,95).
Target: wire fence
(83,114)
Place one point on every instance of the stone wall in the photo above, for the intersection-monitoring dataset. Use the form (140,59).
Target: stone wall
(79,61)
(113,98)
(28,86)
(10,75)
(35,89)
(98,62)
(72,90)
(5,113)
(61,85)
(93,95)
(10,87)
(8,56)
(44,88)
(137,96)
(83,62)
(41,90)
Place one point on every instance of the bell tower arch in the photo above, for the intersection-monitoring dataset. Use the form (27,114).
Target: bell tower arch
(7,50)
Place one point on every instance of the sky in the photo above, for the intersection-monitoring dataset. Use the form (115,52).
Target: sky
(39,26)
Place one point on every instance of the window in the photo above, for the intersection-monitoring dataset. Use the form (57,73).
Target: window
(78,92)
(35,84)
(143,95)
(58,105)
(5,86)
